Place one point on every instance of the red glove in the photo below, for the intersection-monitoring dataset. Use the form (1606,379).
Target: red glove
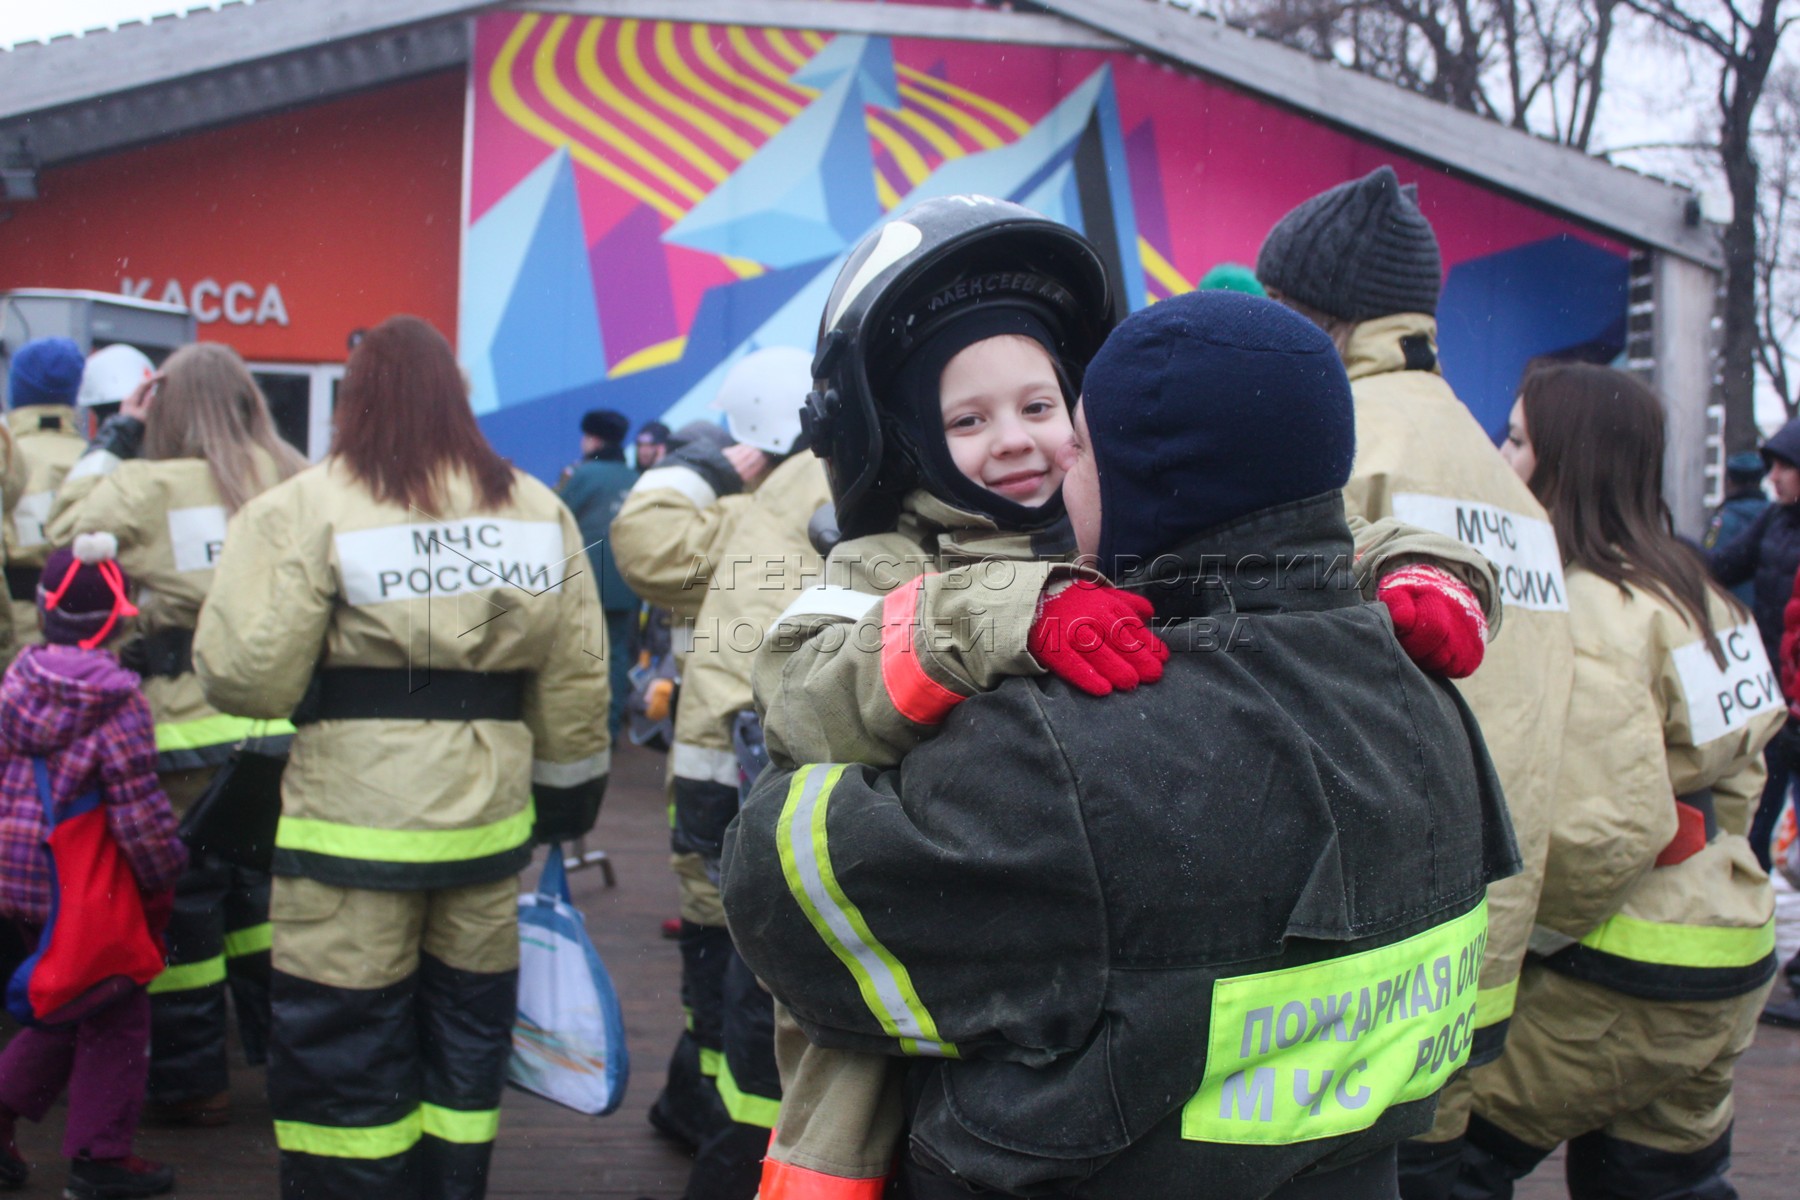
(1436,618)
(1093,637)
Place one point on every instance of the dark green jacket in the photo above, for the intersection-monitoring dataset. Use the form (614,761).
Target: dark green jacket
(1224,928)
(594,491)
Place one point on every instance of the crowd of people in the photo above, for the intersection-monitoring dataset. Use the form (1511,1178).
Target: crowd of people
(1151,755)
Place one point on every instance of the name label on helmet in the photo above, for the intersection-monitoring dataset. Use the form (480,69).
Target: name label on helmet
(1522,548)
(1325,1049)
(197,536)
(411,562)
(1722,700)
(999,283)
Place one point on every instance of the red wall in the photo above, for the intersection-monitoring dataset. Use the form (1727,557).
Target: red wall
(348,210)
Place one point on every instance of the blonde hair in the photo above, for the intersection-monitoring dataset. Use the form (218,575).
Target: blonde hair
(209,407)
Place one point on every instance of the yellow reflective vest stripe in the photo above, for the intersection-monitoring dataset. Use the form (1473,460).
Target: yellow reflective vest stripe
(219,729)
(314,836)
(1495,1004)
(1325,1049)
(746,1108)
(1682,945)
(461,1126)
(388,1141)
(252,939)
(186,977)
(885,984)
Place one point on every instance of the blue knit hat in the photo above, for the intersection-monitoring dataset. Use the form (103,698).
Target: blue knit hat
(1208,407)
(45,371)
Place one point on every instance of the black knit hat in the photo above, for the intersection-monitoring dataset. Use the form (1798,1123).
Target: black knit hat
(607,425)
(1208,407)
(1359,251)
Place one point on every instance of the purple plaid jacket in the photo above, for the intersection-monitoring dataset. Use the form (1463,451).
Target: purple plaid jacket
(81,712)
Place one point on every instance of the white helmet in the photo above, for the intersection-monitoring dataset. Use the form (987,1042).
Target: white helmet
(762,396)
(112,373)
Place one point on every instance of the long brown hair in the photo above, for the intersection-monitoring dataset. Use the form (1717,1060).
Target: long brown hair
(209,407)
(1599,437)
(404,422)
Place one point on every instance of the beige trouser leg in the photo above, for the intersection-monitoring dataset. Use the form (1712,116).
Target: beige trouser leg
(1580,1057)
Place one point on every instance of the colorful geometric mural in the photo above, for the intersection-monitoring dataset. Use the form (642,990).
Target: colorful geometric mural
(650,200)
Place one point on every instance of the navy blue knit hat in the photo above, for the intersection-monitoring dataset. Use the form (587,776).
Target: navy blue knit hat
(44,371)
(1208,407)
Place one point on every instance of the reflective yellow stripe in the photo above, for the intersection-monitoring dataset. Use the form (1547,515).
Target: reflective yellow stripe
(368,1141)
(186,977)
(885,984)
(746,1108)
(1494,1005)
(404,845)
(254,939)
(464,1128)
(1322,1050)
(216,730)
(711,1062)
(1683,945)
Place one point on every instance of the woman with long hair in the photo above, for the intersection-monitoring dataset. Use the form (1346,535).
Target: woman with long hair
(1655,943)
(188,448)
(433,607)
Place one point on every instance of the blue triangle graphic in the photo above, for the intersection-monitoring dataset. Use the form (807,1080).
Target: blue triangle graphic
(548,339)
(810,191)
(492,254)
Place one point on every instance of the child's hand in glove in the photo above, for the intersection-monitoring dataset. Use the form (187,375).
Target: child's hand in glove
(1436,618)
(1092,636)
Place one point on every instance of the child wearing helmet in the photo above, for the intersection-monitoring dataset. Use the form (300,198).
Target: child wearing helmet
(951,352)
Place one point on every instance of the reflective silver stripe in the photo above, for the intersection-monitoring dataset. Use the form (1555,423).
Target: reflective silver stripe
(700,762)
(677,479)
(570,774)
(94,462)
(828,601)
(874,968)
(681,639)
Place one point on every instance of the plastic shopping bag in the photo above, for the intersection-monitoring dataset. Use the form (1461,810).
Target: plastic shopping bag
(569,1035)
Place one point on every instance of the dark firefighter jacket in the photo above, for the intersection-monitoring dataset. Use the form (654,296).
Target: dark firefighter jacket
(1226,928)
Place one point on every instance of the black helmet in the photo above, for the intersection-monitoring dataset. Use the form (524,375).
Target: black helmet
(906,280)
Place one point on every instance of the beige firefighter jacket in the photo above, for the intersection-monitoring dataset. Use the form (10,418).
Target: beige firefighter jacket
(766,562)
(316,575)
(1655,717)
(48,440)
(1421,457)
(670,531)
(908,624)
(170,523)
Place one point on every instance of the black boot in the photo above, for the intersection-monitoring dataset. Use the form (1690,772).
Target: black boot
(1492,1161)
(1607,1168)
(1428,1169)
(117,1178)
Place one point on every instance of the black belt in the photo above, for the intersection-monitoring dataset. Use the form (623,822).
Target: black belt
(400,694)
(22,582)
(166,654)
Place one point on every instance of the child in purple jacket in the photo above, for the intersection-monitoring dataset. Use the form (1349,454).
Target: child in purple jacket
(70,703)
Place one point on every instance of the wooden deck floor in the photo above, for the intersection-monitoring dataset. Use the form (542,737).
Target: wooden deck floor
(547,1151)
